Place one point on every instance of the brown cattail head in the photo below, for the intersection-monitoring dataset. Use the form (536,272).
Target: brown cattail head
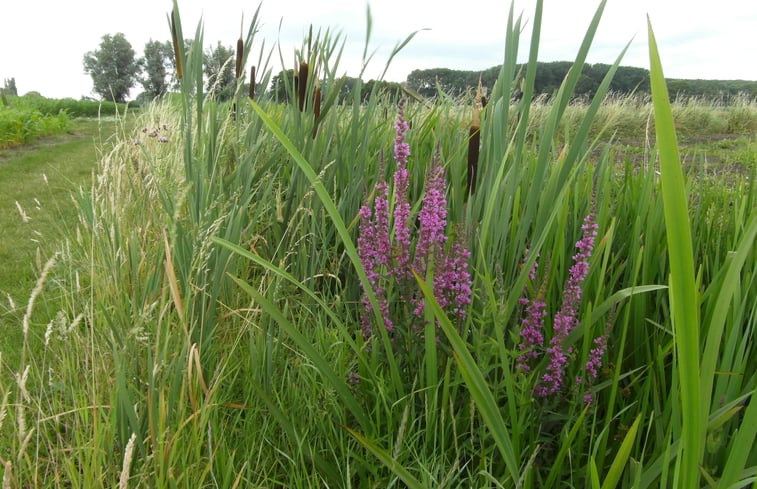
(175,39)
(252,83)
(303,84)
(240,55)
(316,107)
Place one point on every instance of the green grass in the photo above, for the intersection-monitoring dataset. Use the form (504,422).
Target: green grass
(206,298)
(39,179)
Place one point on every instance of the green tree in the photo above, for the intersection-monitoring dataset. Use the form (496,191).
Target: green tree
(156,67)
(219,71)
(9,87)
(113,68)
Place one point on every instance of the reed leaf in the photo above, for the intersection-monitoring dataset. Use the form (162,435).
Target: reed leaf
(683,293)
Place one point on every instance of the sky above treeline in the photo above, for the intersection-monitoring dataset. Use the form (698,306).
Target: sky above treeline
(43,42)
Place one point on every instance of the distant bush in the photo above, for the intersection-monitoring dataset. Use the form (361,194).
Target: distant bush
(22,125)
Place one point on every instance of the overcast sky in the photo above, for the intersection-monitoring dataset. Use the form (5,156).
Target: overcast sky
(42,42)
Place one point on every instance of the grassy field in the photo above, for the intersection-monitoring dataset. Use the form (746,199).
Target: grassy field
(36,186)
(394,294)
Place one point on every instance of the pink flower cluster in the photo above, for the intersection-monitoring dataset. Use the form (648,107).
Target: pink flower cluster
(390,257)
(565,320)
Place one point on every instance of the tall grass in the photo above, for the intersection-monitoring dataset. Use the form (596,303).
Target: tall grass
(210,328)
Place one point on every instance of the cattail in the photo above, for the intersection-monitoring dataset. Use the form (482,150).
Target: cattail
(252,83)
(316,107)
(175,39)
(240,55)
(301,91)
(473,143)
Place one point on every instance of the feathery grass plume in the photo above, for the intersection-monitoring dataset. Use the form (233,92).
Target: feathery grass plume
(316,107)
(128,453)
(7,474)
(176,52)
(303,84)
(474,142)
(24,216)
(240,56)
(252,83)
(35,292)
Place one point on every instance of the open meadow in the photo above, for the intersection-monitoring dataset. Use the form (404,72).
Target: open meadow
(386,292)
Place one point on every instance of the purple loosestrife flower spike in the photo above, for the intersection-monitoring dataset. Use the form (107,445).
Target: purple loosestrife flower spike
(530,332)
(374,252)
(401,204)
(452,281)
(433,218)
(566,318)
(532,324)
(594,361)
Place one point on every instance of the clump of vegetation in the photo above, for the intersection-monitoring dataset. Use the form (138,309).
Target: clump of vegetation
(22,125)
(213,325)
(72,107)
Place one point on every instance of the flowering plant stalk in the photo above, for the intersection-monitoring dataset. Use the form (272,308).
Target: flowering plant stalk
(532,340)
(390,249)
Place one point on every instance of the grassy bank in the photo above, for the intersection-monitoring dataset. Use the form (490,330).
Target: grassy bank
(36,185)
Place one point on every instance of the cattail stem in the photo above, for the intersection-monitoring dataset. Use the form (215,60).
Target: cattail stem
(473,146)
(252,83)
(474,142)
(316,108)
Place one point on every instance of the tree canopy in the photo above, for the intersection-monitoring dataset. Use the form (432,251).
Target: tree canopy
(113,67)
(219,71)
(549,77)
(157,63)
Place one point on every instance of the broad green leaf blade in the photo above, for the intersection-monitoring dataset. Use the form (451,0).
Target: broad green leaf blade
(743,445)
(683,293)
(616,469)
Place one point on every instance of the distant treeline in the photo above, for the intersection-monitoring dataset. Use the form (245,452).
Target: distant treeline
(549,76)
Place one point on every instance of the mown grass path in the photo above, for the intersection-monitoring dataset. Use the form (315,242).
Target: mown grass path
(37,212)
